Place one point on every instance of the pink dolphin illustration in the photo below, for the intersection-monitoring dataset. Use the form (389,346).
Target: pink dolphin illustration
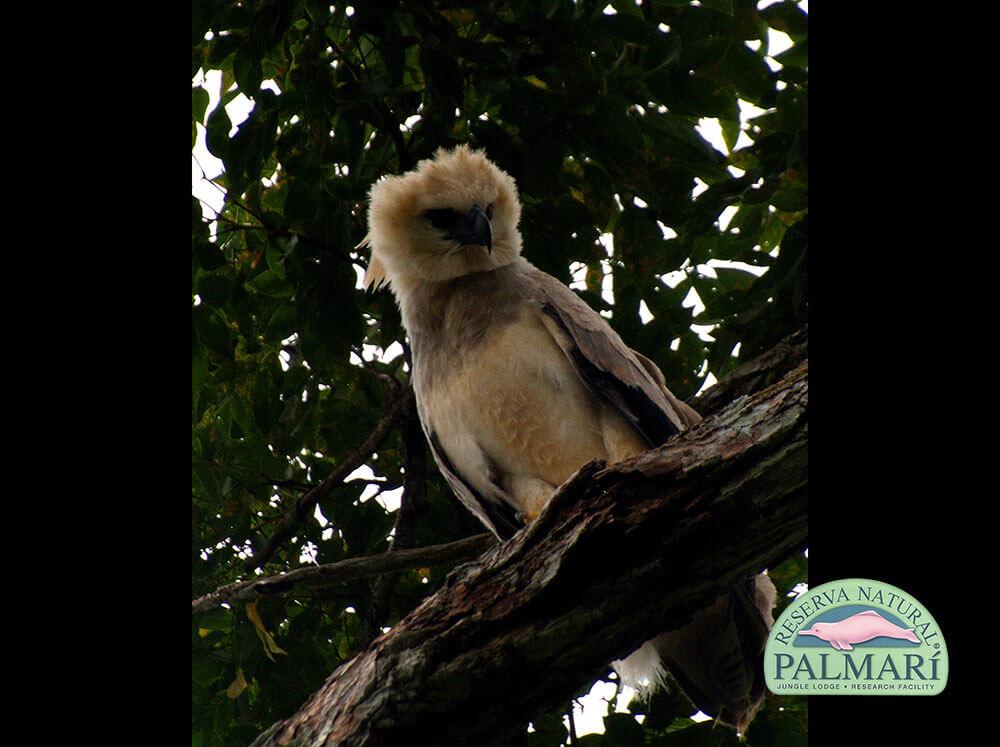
(857,629)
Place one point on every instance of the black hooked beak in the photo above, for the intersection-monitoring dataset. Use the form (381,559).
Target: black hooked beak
(473,229)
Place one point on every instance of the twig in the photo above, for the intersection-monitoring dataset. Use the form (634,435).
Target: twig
(412,506)
(756,374)
(369,368)
(228,195)
(318,576)
(305,505)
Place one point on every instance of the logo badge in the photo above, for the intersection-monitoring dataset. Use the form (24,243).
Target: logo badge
(855,637)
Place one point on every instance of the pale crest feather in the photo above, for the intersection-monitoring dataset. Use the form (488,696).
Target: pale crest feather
(375,276)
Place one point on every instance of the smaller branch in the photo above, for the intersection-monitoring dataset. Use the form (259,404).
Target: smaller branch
(756,374)
(305,505)
(205,176)
(621,57)
(369,368)
(204,205)
(413,506)
(361,54)
(228,197)
(382,484)
(264,224)
(231,226)
(291,484)
(319,576)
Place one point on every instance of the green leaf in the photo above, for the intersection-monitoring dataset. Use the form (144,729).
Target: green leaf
(212,330)
(622,729)
(696,96)
(215,288)
(687,143)
(747,73)
(791,199)
(748,219)
(662,708)
(247,70)
(725,6)
(792,109)
(663,51)
(274,254)
(207,672)
(269,284)
(199,229)
(208,255)
(217,132)
(220,48)
(199,103)
(730,132)
(629,28)
(795,56)
(550,731)
(775,728)
(302,200)
(252,143)
(789,573)
(282,322)
(548,7)
(269,26)
(199,373)
(773,232)
(732,279)
(703,734)
(787,17)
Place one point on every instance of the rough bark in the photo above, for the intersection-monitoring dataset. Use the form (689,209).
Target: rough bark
(620,554)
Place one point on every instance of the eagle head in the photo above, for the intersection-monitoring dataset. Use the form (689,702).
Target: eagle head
(454,214)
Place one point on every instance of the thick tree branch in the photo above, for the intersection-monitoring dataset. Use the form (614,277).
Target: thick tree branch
(316,577)
(618,555)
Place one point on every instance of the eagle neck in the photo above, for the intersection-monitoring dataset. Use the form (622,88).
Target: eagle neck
(446,320)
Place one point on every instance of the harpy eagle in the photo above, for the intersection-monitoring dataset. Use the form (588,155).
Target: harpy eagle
(519,383)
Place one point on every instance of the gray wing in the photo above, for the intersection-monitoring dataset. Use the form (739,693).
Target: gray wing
(498,515)
(717,656)
(626,380)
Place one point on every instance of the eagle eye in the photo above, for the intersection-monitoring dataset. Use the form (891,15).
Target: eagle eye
(443,219)
(489,211)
